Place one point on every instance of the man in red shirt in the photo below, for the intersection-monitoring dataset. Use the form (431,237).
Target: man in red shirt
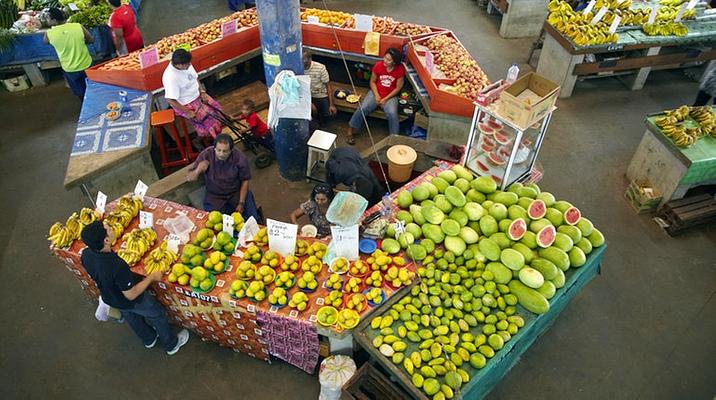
(386,81)
(258,128)
(125,33)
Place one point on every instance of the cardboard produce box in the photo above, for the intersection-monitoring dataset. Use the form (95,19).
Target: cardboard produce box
(528,99)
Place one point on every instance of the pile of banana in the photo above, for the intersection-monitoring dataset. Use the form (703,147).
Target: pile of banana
(137,242)
(62,236)
(128,207)
(577,27)
(613,4)
(159,259)
(661,28)
(671,125)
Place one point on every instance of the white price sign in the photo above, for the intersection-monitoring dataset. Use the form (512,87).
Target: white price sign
(363,22)
(247,233)
(173,243)
(141,189)
(589,7)
(281,237)
(615,24)
(399,227)
(228,224)
(73,7)
(681,12)
(692,4)
(101,202)
(652,15)
(312,19)
(599,16)
(345,241)
(146,219)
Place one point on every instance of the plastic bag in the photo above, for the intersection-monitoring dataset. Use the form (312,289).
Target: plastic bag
(346,209)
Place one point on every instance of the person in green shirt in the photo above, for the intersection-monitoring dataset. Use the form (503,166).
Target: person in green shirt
(70,41)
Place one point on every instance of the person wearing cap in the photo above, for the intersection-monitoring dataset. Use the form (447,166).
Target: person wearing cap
(346,166)
(70,41)
(122,290)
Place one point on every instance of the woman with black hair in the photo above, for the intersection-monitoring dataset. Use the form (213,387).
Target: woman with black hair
(315,208)
(125,33)
(386,81)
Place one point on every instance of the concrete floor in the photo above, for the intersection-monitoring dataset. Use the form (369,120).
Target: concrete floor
(644,329)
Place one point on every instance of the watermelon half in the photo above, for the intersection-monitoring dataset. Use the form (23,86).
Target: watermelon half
(486,147)
(517,229)
(537,209)
(546,236)
(494,124)
(572,216)
(486,129)
(488,140)
(482,167)
(501,138)
(495,159)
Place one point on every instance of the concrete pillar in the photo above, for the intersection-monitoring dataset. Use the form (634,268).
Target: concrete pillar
(524,18)
(557,64)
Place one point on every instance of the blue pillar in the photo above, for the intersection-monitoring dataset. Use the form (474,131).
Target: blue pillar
(281,45)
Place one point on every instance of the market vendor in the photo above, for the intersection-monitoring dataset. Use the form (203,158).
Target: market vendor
(120,289)
(321,93)
(70,41)
(226,176)
(315,208)
(182,90)
(386,81)
(125,33)
(346,166)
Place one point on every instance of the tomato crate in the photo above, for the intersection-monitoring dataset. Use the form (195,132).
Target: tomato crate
(203,57)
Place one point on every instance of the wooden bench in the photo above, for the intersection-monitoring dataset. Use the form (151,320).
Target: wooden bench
(343,105)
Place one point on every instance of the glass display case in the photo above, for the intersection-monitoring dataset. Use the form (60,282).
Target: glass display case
(500,148)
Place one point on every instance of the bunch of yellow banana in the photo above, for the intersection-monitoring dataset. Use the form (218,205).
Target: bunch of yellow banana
(665,29)
(137,243)
(636,16)
(672,3)
(613,4)
(577,27)
(702,115)
(667,13)
(159,259)
(88,216)
(62,236)
(127,208)
(680,113)
(682,136)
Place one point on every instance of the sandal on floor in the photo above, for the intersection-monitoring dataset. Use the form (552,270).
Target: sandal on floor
(351,140)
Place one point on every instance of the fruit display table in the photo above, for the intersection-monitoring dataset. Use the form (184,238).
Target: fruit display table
(671,169)
(254,328)
(562,62)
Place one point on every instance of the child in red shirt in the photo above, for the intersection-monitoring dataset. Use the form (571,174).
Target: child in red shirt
(258,128)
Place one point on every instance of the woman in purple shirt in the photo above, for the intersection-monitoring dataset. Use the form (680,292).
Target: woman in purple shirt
(226,176)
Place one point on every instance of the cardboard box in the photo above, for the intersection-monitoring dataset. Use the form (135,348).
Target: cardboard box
(642,196)
(528,99)
(16,84)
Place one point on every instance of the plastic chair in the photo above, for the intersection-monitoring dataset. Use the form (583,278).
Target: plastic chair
(164,120)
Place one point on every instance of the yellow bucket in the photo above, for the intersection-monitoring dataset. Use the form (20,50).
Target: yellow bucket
(401,159)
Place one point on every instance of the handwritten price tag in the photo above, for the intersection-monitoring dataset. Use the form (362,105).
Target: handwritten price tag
(148,57)
(229,28)
(363,22)
(101,202)
(173,242)
(615,24)
(600,14)
(141,189)
(429,61)
(345,241)
(281,236)
(146,219)
(589,7)
(228,224)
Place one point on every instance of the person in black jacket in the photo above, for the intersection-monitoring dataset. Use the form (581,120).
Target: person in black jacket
(121,289)
(346,166)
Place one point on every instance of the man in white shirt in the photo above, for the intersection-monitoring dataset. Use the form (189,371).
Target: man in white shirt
(321,96)
(183,92)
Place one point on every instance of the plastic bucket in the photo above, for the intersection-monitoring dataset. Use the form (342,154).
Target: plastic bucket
(401,159)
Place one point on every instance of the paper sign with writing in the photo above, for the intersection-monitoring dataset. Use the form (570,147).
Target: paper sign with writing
(312,19)
(681,12)
(652,15)
(345,241)
(589,7)
(228,224)
(247,232)
(272,59)
(101,202)
(281,237)
(399,227)
(141,189)
(148,57)
(173,243)
(146,219)
(364,23)
(615,24)
(600,14)
(229,28)
(429,61)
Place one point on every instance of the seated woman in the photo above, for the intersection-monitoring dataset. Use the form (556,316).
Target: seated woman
(315,208)
(183,92)
(386,81)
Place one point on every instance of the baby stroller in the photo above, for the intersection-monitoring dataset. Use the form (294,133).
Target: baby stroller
(264,158)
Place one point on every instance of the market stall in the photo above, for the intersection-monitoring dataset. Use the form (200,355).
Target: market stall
(632,44)
(676,155)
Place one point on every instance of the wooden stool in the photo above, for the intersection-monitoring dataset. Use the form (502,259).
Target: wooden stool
(319,148)
(165,120)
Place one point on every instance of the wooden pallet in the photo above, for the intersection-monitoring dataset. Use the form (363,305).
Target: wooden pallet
(689,212)
(369,383)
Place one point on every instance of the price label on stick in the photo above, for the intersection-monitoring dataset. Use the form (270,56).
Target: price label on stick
(173,243)
(148,57)
(615,24)
(681,12)
(652,15)
(100,203)
(429,61)
(345,241)
(146,219)
(141,189)
(228,224)
(589,7)
(692,4)
(281,236)
(247,233)
(399,227)
(600,14)
(228,28)
(73,7)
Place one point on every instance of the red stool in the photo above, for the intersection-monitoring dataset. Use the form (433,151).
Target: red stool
(165,120)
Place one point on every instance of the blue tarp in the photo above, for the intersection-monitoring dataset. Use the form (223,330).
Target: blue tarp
(31,48)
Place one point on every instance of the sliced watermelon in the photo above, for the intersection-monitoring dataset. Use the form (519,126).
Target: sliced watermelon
(497,179)
(486,129)
(482,167)
(502,139)
(526,142)
(488,140)
(517,229)
(546,236)
(495,159)
(494,124)
(572,215)
(505,152)
(537,209)
(486,147)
